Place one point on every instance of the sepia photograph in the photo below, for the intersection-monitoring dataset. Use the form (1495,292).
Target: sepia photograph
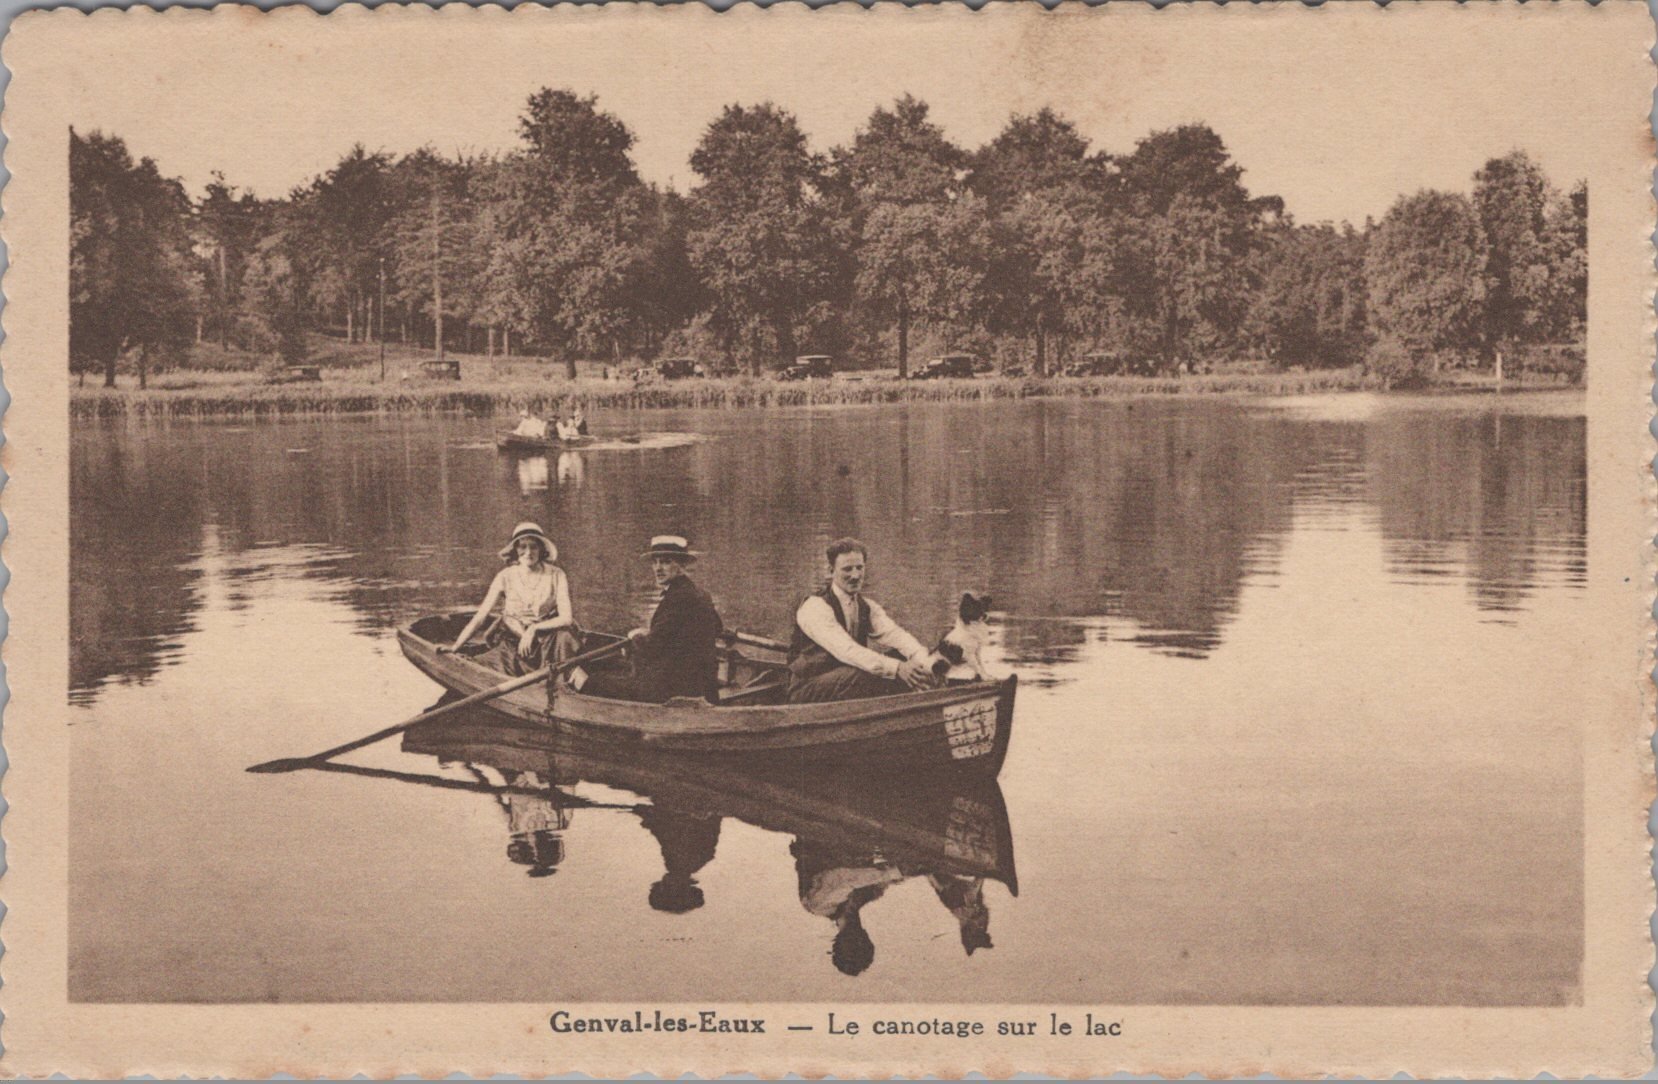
(618,516)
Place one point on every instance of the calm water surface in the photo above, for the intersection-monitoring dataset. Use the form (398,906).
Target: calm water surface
(1297,720)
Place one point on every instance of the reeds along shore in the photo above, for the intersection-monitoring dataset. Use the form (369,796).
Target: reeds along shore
(353,397)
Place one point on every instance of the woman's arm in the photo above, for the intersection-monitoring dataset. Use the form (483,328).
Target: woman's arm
(490,599)
(561,592)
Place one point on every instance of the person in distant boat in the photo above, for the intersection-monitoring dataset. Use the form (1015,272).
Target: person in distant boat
(688,840)
(678,655)
(538,623)
(530,426)
(830,657)
(579,419)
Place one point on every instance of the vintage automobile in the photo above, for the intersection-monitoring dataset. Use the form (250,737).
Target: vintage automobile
(441,370)
(1102,363)
(296,374)
(809,367)
(945,366)
(679,368)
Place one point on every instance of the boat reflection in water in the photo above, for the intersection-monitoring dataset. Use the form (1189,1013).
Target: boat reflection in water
(534,472)
(854,837)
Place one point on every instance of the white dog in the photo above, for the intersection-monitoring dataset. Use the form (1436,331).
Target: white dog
(957,656)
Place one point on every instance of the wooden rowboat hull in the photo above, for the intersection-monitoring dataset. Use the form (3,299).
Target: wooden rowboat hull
(512,442)
(964,727)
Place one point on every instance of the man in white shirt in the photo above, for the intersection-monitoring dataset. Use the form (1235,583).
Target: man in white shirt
(834,653)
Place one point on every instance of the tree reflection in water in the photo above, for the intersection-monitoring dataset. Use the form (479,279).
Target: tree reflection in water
(1150,515)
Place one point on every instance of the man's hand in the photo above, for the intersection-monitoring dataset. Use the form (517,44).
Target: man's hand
(915,674)
(637,635)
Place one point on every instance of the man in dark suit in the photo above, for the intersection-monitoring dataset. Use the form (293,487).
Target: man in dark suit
(678,654)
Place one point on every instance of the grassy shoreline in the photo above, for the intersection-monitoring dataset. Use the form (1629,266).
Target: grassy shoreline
(219,398)
(354,392)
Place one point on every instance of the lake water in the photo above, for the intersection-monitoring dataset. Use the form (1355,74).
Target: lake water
(1297,724)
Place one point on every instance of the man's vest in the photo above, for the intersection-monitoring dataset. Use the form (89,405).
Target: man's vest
(807,659)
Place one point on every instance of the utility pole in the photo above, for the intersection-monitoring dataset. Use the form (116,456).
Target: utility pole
(382,319)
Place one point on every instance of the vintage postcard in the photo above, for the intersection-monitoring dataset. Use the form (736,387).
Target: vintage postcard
(627,539)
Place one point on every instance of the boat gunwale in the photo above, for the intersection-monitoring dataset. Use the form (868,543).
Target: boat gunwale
(692,718)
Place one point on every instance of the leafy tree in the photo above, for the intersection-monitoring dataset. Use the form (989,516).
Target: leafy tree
(1193,229)
(1565,308)
(1309,308)
(1039,184)
(759,239)
(570,229)
(919,237)
(1512,197)
(1424,272)
(228,226)
(349,213)
(275,292)
(664,291)
(130,273)
(1035,152)
(426,237)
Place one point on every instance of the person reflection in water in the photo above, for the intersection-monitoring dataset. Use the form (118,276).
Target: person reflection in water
(688,841)
(536,819)
(535,824)
(570,469)
(963,897)
(834,889)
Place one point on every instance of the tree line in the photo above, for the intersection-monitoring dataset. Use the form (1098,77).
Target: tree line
(1029,250)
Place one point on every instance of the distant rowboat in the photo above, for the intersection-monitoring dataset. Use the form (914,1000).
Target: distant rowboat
(961,727)
(515,442)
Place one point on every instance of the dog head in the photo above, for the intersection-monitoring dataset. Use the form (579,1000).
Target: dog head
(974,607)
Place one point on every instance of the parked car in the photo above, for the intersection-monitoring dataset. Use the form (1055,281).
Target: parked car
(296,374)
(809,367)
(946,365)
(679,368)
(1101,363)
(441,370)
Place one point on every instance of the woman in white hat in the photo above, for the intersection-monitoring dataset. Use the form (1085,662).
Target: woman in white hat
(538,624)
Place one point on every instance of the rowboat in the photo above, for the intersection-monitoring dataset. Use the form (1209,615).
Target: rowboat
(515,442)
(948,823)
(959,727)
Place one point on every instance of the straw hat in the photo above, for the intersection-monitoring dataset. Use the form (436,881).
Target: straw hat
(529,530)
(672,545)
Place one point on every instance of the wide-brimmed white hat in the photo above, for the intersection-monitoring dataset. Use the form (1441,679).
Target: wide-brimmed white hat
(671,545)
(530,530)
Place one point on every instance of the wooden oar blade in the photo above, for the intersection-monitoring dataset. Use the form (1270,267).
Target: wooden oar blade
(286,764)
(294,764)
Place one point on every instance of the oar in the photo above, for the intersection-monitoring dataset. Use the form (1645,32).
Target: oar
(294,764)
